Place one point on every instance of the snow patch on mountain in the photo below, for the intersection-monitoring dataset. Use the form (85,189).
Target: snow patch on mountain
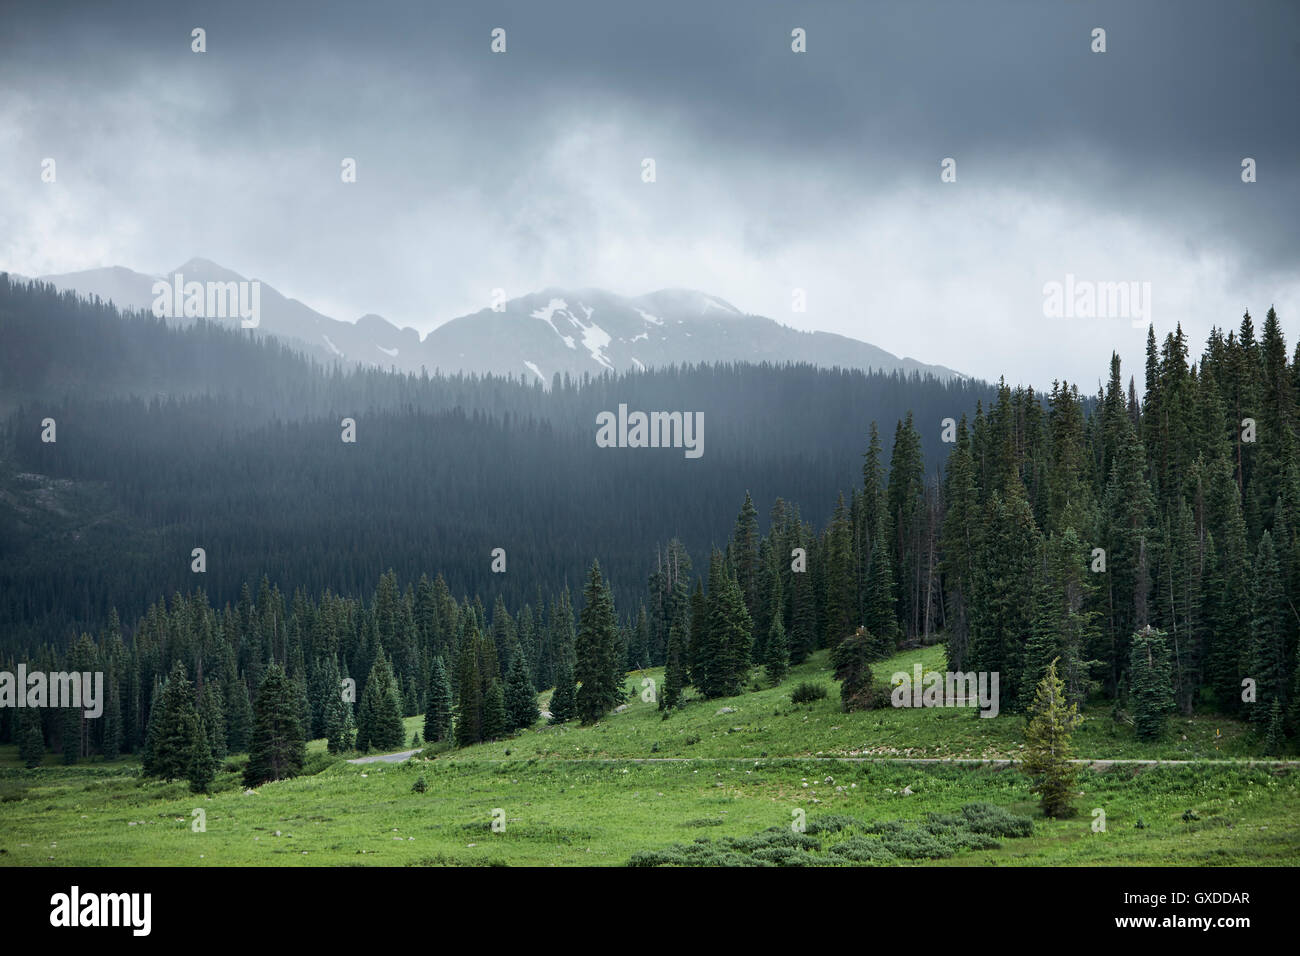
(547,314)
(333,348)
(391,353)
(595,340)
(532,367)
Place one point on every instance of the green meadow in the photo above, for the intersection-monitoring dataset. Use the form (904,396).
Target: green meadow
(635,784)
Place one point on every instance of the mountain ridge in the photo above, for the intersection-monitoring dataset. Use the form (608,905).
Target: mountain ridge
(553,331)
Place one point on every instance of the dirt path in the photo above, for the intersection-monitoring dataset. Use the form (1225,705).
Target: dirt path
(1094,762)
(387,758)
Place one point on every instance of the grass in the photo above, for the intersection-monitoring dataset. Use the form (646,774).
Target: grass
(600,796)
(766,724)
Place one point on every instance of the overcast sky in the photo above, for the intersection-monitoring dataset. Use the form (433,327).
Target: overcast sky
(775,170)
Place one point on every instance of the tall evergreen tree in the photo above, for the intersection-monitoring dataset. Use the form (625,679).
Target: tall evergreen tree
(496,723)
(597,670)
(675,670)
(437,719)
(564,705)
(520,696)
(1052,719)
(278,748)
(778,654)
(379,723)
(1150,683)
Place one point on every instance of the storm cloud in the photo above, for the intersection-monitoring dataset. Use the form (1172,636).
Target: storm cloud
(775,170)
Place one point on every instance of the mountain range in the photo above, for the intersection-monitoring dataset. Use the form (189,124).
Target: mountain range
(533,337)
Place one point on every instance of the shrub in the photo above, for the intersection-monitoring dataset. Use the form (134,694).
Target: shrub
(995,821)
(917,845)
(833,823)
(863,850)
(419,786)
(807,692)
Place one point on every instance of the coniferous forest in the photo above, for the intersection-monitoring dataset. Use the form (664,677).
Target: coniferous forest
(1142,538)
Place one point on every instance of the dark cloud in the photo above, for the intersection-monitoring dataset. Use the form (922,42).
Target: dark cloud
(775,170)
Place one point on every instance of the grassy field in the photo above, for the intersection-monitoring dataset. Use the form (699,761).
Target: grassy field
(600,795)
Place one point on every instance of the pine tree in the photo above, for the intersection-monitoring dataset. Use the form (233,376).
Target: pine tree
(338,722)
(278,748)
(841,586)
(1275,736)
(495,721)
(239,711)
(675,670)
(699,646)
(727,657)
(437,718)
(1150,683)
(520,695)
(744,552)
(379,723)
(1047,744)
(469,684)
(214,720)
(880,618)
(563,706)
(201,765)
(171,744)
(778,654)
(1268,635)
(851,660)
(31,741)
(597,668)
(803,621)
(112,740)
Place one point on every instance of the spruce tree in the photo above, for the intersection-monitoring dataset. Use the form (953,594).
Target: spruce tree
(851,660)
(778,653)
(563,706)
(31,741)
(520,695)
(841,584)
(278,748)
(469,704)
(727,658)
(597,668)
(1150,683)
(437,718)
(1047,744)
(112,740)
(338,719)
(214,722)
(495,722)
(744,551)
(379,724)
(239,711)
(1268,635)
(675,670)
(201,766)
(171,729)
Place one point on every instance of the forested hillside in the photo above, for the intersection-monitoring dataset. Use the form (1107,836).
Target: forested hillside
(1147,542)
(168,440)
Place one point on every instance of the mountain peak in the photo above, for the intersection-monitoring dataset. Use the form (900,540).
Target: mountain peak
(199,266)
(690,302)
